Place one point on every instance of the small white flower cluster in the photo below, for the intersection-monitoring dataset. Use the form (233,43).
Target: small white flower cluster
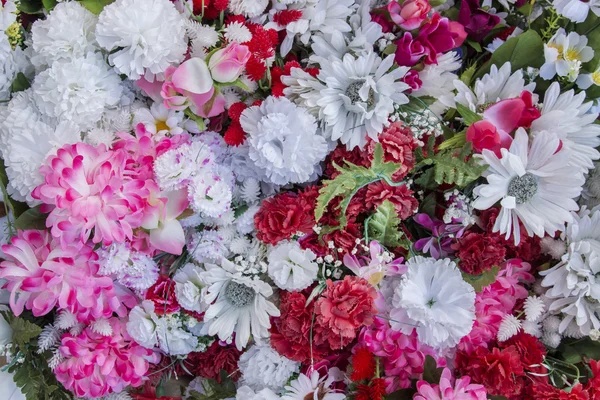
(262,367)
(422,124)
(458,208)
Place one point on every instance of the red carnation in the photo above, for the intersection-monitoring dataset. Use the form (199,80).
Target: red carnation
(400,196)
(478,252)
(340,155)
(162,294)
(363,365)
(545,391)
(282,216)
(216,358)
(398,146)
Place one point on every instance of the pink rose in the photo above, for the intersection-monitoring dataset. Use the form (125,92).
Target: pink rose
(410,15)
(408,51)
(440,35)
(484,136)
(226,65)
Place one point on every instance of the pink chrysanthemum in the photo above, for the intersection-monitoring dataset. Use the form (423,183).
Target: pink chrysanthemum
(42,275)
(449,389)
(96,365)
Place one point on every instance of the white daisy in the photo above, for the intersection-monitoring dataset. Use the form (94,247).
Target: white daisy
(434,300)
(283,141)
(143,36)
(291,267)
(313,387)
(264,368)
(159,120)
(359,96)
(576,10)
(238,304)
(568,116)
(564,54)
(578,312)
(438,81)
(533,183)
(246,393)
(303,89)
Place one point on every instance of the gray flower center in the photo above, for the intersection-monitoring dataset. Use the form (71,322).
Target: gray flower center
(523,188)
(352,91)
(239,294)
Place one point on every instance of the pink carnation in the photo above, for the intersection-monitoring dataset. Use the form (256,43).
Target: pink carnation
(96,365)
(42,275)
(450,389)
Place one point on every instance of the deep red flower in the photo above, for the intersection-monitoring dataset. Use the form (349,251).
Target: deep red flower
(531,112)
(209,364)
(340,156)
(284,17)
(345,239)
(162,294)
(545,391)
(235,134)
(477,21)
(281,216)
(478,252)
(400,196)
(363,364)
(255,68)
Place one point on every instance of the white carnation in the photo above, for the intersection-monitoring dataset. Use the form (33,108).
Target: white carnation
(210,194)
(8,69)
(143,36)
(291,267)
(263,368)
(208,246)
(143,323)
(189,288)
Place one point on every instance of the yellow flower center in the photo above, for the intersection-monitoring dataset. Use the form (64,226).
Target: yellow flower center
(161,126)
(596,77)
(572,55)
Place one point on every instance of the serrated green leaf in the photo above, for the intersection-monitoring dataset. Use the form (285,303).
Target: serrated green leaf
(384,225)
(31,219)
(431,372)
(458,140)
(451,168)
(479,282)
(95,6)
(468,116)
(20,83)
(24,331)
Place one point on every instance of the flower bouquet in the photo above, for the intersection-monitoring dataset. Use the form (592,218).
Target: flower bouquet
(300,199)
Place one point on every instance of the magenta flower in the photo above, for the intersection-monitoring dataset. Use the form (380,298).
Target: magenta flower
(477,22)
(440,35)
(42,275)
(409,51)
(450,389)
(375,267)
(442,236)
(96,365)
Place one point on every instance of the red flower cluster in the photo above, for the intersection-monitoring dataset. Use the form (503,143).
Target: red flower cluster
(479,252)
(262,46)
(162,294)
(363,364)
(235,135)
(210,9)
(216,358)
(373,391)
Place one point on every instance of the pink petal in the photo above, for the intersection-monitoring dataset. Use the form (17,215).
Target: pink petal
(193,76)
(168,237)
(177,202)
(505,114)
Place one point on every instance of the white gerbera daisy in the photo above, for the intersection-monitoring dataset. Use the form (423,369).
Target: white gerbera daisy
(283,140)
(238,304)
(264,368)
(189,288)
(434,300)
(564,54)
(496,85)
(576,10)
(78,90)
(143,36)
(291,267)
(159,120)
(313,387)
(359,96)
(567,116)
(438,81)
(303,89)
(246,393)
(534,185)
(579,312)
(67,33)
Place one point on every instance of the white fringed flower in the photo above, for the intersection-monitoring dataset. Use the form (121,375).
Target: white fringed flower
(555,248)
(237,32)
(433,299)
(264,368)
(508,328)
(245,222)
(98,136)
(534,308)
(142,324)
(77,90)
(102,327)
(551,340)
(534,185)
(175,168)
(133,269)
(65,320)
(246,393)
(67,33)
(248,8)
(210,194)
(208,246)
(143,36)
(283,141)
(238,304)
(291,267)
(159,120)
(204,36)
(190,289)
(8,69)
(438,81)
(49,338)
(359,96)
(313,386)
(173,338)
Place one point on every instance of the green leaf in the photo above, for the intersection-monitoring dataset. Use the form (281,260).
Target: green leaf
(576,351)
(456,141)
(431,372)
(474,45)
(31,219)
(390,49)
(95,6)
(24,331)
(20,83)
(49,4)
(525,50)
(479,282)
(402,394)
(467,76)
(469,116)
(451,168)
(30,6)
(384,226)
(351,179)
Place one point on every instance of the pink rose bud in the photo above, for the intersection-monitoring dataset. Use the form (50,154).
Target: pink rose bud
(226,65)
(485,136)
(411,14)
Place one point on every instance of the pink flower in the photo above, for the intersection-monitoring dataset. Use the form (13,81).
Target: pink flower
(410,15)
(408,51)
(226,65)
(191,85)
(485,136)
(440,35)
(96,365)
(450,389)
(375,267)
(166,232)
(42,275)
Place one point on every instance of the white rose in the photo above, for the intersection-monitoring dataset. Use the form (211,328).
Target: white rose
(292,268)
(142,324)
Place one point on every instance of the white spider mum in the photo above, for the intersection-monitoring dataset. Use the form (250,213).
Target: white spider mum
(78,90)
(67,33)
(238,304)
(144,36)
(264,368)
(534,185)
(291,267)
(433,299)
(190,289)
(284,143)
(359,97)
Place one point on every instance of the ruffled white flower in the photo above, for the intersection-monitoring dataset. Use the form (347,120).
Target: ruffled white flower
(8,14)
(303,89)
(190,289)
(434,300)
(208,246)
(8,69)
(237,32)
(534,185)
(210,194)
(67,33)
(143,323)
(159,120)
(246,393)
(245,222)
(438,81)
(130,268)
(173,338)
(176,167)
(283,141)
(496,85)
(534,308)
(568,116)
(564,54)
(508,328)
(576,10)
(248,8)
(264,368)
(291,267)
(238,304)
(143,36)
(312,386)
(77,90)
(204,36)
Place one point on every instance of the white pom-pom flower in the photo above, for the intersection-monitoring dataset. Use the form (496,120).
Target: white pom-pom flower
(263,368)
(291,267)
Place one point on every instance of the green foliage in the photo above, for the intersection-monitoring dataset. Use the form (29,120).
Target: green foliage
(525,50)
(95,6)
(49,4)
(384,226)
(467,76)
(457,141)
(30,6)
(468,116)
(350,180)
(31,219)
(479,282)
(450,167)
(553,23)
(24,331)
(575,351)
(20,83)
(431,372)
(215,390)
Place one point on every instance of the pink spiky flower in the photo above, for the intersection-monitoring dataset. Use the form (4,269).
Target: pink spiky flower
(450,389)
